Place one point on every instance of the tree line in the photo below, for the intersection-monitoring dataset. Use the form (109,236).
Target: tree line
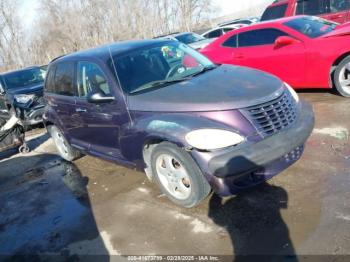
(65,26)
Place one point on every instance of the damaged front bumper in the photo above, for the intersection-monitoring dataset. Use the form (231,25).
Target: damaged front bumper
(31,115)
(243,167)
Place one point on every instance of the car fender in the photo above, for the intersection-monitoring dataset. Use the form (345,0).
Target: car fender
(150,128)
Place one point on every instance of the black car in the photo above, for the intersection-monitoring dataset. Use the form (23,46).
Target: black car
(22,90)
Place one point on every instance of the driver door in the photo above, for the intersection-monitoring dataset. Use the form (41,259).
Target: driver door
(96,126)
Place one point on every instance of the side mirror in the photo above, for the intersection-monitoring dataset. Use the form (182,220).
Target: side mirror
(99,98)
(284,41)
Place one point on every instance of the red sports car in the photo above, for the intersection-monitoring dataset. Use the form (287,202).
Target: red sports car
(304,51)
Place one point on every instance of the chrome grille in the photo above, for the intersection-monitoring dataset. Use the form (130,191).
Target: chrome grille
(273,116)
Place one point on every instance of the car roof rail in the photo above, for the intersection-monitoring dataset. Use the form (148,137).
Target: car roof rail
(57,58)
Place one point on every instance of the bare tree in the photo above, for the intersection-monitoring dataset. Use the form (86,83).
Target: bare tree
(70,25)
(11,35)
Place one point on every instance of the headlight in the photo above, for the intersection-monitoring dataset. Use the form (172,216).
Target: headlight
(210,139)
(292,92)
(23,99)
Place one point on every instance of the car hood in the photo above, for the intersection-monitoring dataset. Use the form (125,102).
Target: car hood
(202,43)
(340,30)
(34,89)
(224,88)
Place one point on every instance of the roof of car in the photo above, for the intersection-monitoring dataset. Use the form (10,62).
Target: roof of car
(279,2)
(115,48)
(19,70)
(276,21)
(173,35)
(236,21)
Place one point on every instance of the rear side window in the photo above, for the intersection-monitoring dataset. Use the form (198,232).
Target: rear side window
(215,33)
(259,37)
(64,79)
(231,42)
(91,79)
(227,30)
(274,12)
(318,7)
(338,6)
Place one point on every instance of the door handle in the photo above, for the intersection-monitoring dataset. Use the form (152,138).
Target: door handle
(80,110)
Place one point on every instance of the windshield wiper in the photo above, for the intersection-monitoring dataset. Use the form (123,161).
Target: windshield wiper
(158,83)
(203,70)
(161,83)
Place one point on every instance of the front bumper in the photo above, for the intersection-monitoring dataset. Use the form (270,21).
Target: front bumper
(262,160)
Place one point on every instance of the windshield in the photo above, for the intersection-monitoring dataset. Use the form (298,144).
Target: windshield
(158,65)
(189,38)
(311,26)
(24,78)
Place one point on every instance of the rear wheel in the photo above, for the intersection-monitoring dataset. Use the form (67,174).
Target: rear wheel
(341,77)
(178,175)
(65,150)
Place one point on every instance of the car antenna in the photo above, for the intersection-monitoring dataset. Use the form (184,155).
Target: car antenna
(119,84)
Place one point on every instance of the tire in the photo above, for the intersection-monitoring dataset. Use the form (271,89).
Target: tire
(341,77)
(178,176)
(65,150)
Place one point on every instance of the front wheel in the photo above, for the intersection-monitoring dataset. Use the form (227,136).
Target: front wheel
(178,176)
(341,77)
(65,150)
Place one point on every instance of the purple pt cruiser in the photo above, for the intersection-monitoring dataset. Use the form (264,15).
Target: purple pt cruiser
(161,107)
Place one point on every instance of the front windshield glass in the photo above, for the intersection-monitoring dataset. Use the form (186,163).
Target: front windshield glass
(158,65)
(24,78)
(189,38)
(311,26)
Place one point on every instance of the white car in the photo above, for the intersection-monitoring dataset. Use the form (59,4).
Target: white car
(219,31)
(191,39)
(246,21)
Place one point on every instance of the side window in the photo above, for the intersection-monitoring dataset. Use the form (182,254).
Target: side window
(91,79)
(311,7)
(338,5)
(227,30)
(319,7)
(231,42)
(215,33)
(274,12)
(259,37)
(50,84)
(64,79)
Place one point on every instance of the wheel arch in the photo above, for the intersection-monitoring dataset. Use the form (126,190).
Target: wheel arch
(334,65)
(147,149)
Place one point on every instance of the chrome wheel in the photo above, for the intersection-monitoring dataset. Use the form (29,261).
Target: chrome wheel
(344,78)
(60,142)
(173,176)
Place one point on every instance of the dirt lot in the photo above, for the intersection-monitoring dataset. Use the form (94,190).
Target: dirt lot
(48,206)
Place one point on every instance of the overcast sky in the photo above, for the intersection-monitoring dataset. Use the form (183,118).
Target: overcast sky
(232,6)
(28,7)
